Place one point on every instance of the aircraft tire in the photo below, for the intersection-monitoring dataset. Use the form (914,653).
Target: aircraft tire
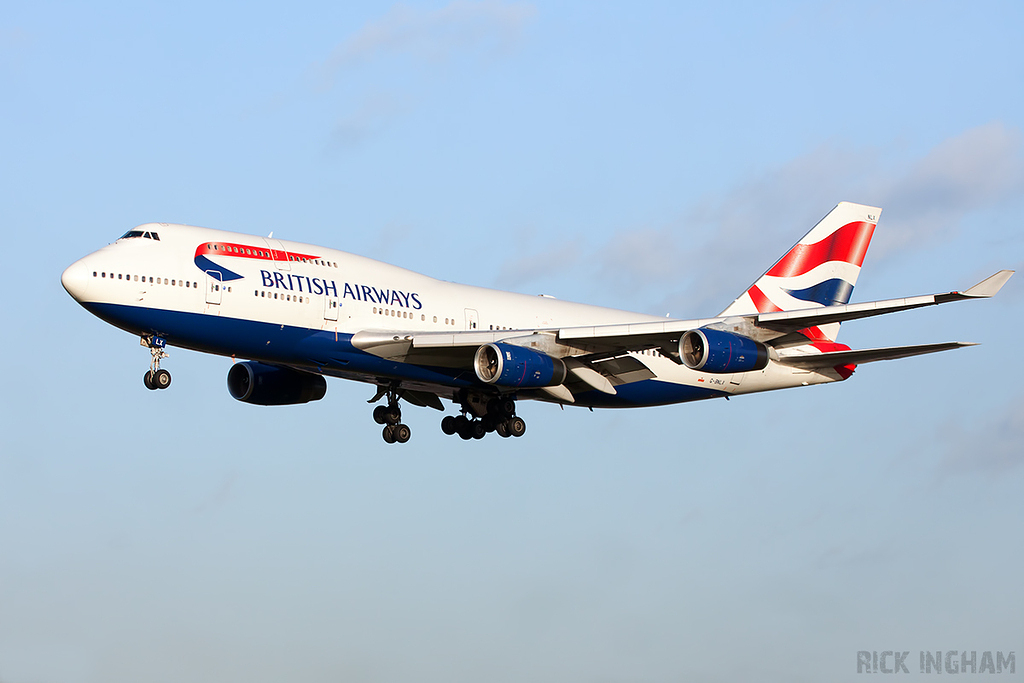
(147,379)
(462,428)
(388,434)
(162,379)
(378,415)
(477,430)
(502,429)
(506,407)
(449,425)
(517,426)
(401,433)
(393,415)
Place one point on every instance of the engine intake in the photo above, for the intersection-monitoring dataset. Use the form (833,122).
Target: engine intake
(266,385)
(506,365)
(716,351)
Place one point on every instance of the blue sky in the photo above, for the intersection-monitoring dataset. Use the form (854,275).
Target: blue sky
(656,157)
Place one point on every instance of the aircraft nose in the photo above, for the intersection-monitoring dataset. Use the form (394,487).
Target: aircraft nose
(76,280)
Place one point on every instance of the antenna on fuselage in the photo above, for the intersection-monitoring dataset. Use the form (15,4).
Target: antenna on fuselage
(271,234)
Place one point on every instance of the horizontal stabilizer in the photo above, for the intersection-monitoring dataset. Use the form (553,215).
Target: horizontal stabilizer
(832,359)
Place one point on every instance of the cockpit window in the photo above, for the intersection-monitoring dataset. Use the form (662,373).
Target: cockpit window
(139,233)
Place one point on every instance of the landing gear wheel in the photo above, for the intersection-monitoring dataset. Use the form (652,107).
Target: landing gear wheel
(462,428)
(506,407)
(389,434)
(392,414)
(477,429)
(161,380)
(517,426)
(155,378)
(401,433)
(502,429)
(449,425)
(379,415)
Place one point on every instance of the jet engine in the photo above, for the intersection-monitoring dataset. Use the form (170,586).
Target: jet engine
(716,351)
(266,385)
(506,365)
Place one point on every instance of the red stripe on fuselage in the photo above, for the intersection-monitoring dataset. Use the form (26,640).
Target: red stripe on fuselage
(848,244)
(248,251)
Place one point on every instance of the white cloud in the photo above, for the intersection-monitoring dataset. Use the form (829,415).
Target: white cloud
(369,118)
(701,261)
(991,448)
(432,35)
(982,166)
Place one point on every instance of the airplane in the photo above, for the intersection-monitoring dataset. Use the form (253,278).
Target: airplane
(298,313)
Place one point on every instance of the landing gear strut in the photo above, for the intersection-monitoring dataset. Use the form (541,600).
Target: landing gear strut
(155,377)
(499,416)
(391,417)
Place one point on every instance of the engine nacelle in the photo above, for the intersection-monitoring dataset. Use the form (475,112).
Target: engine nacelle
(716,351)
(266,385)
(506,365)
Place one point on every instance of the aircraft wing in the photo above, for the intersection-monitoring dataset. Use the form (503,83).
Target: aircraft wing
(599,342)
(771,328)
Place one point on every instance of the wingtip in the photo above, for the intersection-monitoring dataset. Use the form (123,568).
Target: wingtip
(990,285)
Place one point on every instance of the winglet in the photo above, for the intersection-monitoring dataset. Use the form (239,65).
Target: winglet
(989,286)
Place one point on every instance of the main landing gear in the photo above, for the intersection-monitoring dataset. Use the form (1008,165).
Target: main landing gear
(391,417)
(155,377)
(499,416)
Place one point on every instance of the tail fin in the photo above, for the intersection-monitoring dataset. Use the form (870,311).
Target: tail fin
(820,270)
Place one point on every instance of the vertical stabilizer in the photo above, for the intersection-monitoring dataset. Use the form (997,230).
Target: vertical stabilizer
(820,270)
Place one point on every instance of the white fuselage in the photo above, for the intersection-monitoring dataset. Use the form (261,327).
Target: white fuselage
(260,298)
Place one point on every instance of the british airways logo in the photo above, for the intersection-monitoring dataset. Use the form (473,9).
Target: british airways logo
(349,290)
(293,282)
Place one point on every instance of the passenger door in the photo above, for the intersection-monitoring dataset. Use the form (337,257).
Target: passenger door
(331,306)
(213,287)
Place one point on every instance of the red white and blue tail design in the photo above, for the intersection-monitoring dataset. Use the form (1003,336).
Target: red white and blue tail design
(820,270)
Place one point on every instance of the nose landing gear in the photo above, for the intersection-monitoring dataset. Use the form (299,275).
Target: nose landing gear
(155,377)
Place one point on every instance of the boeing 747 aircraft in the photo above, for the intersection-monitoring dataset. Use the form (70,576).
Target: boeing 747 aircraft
(298,312)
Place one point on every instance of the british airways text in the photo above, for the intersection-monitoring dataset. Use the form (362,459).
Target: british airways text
(315,285)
